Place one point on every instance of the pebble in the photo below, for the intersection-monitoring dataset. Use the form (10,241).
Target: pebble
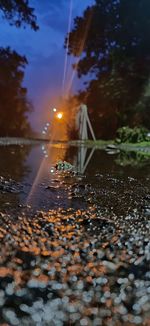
(86,266)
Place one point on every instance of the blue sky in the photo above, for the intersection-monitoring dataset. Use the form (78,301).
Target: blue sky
(45,52)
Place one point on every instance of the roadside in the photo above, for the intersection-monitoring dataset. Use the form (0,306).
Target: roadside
(143,147)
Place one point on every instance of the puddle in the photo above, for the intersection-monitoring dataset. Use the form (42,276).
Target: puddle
(34,181)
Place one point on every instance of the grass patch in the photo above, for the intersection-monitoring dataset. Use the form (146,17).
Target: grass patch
(141,144)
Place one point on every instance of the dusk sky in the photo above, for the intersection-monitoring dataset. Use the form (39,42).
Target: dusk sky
(45,53)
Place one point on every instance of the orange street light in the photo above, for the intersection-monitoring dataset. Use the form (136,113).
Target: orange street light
(59,115)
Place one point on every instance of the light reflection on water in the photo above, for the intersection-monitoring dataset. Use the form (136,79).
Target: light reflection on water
(33,167)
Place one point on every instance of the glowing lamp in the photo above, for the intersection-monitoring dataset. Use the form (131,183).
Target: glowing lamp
(59,115)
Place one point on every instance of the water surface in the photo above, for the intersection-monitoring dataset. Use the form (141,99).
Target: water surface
(38,183)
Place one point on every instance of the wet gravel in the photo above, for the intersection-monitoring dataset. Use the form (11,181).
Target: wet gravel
(9,186)
(84,263)
(79,266)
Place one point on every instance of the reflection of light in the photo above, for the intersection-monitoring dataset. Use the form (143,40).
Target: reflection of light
(52,170)
(54,109)
(47,124)
(43,132)
(59,115)
(45,128)
(43,147)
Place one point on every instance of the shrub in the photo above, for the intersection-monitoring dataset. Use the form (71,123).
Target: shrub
(129,135)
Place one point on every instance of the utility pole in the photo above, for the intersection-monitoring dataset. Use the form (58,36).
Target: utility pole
(83,123)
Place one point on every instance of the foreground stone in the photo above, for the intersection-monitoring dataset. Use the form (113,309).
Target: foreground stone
(74,267)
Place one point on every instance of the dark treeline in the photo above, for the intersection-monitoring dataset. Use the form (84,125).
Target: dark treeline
(111,45)
(14,105)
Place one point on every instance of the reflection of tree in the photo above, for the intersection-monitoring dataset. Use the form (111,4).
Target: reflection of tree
(135,159)
(101,163)
(13,166)
(111,44)
(12,161)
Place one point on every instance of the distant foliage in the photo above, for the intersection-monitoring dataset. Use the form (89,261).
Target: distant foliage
(14,105)
(129,135)
(110,44)
(18,13)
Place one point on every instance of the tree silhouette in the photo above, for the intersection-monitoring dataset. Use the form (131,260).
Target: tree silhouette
(14,105)
(111,44)
(18,13)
